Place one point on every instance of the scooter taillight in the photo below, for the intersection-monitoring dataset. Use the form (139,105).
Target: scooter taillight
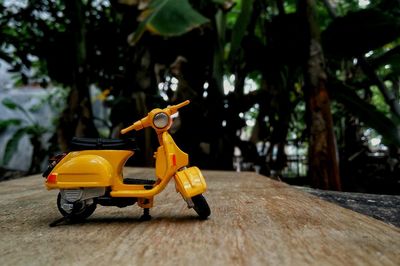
(52,178)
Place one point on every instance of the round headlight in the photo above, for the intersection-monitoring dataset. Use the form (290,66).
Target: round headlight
(161,120)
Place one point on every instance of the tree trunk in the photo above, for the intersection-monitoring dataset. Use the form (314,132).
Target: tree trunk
(323,156)
(77,118)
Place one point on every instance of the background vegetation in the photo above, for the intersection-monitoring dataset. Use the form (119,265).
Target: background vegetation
(263,76)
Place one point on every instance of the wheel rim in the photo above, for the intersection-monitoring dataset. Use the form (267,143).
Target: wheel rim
(84,211)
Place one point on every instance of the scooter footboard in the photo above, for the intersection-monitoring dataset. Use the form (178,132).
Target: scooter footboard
(190,182)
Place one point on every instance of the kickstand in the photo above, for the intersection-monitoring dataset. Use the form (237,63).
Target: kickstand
(56,222)
(66,218)
(146,215)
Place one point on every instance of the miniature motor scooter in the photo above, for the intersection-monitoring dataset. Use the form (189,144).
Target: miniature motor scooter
(91,173)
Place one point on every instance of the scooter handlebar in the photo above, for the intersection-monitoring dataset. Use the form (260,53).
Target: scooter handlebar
(174,108)
(144,122)
(135,126)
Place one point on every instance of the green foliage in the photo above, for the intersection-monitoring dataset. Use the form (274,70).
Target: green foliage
(232,16)
(297,125)
(387,60)
(379,101)
(14,106)
(22,30)
(10,104)
(12,145)
(35,130)
(367,113)
(32,129)
(168,18)
(4,124)
(240,27)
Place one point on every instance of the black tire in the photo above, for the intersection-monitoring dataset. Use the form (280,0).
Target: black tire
(201,206)
(84,211)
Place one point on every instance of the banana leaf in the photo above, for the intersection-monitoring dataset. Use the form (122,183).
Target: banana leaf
(12,145)
(366,112)
(15,106)
(168,18)
(10,104)
(240,27)
(4,124)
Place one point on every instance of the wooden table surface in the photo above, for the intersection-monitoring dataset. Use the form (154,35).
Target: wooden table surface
(254,221)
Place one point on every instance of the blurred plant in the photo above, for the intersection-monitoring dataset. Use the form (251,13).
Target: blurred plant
(25,127)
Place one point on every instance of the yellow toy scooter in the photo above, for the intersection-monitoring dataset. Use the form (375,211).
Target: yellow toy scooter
(91,173)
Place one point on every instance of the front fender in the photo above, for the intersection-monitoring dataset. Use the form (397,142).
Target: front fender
(190,182)
(85,170)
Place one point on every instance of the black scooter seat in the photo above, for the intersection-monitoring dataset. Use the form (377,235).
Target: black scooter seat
(79,144)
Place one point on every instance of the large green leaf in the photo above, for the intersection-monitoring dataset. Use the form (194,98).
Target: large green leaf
(12,145)
(35,130)
(365,112)
(4,124)
(10,104)
(168,18)
(13,106)
(240,27)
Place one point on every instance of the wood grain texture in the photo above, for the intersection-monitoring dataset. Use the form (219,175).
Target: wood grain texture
(254,221)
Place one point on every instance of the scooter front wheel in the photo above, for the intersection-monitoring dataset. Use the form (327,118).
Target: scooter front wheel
(201,206)
(81,211)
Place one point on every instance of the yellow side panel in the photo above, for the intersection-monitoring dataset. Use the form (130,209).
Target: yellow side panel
(83,170)
(169,158)
(181,158)
(190,182)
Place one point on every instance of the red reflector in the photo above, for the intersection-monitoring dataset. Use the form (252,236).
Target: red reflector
(173,160)
(52,178)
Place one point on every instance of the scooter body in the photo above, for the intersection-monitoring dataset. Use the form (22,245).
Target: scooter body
(88,168)
(87,177)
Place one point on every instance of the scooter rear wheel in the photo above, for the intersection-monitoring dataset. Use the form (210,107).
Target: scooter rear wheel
(201,206)
(83,212)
